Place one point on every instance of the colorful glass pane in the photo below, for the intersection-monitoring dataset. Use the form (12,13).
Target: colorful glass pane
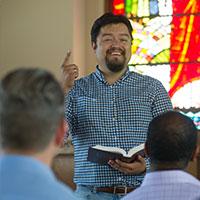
(166,43)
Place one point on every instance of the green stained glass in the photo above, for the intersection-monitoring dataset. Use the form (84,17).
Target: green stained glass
(134,7)
(162,57)
(128,6)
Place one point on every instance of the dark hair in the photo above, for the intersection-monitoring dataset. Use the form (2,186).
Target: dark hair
(32,105)
(172,137)
(108,18)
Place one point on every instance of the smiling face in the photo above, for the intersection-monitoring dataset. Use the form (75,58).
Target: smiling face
(113,47)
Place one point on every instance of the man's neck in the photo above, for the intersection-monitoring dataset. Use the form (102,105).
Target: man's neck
(112,77)
(167,166)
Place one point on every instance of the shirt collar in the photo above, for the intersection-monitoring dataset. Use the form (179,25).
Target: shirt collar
(101,77)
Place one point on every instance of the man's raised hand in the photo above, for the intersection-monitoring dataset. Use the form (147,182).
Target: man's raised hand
(69,73)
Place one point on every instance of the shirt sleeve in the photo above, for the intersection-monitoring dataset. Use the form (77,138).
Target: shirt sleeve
(161,100)
(69,116)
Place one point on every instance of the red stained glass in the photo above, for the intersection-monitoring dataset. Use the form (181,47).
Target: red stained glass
(118,7)
(185,44)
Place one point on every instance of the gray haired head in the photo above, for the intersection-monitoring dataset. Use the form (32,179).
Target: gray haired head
(32,105)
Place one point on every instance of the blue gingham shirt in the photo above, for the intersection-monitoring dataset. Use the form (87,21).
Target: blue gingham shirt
(167,185)
(115,115)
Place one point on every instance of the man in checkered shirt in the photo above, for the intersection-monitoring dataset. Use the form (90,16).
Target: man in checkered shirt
(111,107)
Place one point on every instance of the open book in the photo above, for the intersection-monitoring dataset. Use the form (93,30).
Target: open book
(102,154)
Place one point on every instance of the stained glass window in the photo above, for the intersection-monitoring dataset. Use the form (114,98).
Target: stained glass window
(166,45)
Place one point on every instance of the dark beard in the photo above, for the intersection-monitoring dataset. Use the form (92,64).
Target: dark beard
(115,65)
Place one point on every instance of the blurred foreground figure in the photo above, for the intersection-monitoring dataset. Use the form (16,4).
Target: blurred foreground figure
(32,128)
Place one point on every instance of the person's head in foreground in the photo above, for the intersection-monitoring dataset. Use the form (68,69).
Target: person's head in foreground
(171,141)
(32,128)
(31,114)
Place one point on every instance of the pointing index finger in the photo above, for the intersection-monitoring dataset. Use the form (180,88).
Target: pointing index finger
(67,57)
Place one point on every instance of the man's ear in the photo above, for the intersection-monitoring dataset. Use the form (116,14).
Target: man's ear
(94,45)
(195,153)
(60,132)
(146,150)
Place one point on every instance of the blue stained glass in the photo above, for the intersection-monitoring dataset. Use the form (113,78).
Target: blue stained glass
(153,4)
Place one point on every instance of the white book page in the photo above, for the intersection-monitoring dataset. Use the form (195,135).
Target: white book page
(110,149)
(135,150)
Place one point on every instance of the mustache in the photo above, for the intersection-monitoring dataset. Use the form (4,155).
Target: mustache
(109,51)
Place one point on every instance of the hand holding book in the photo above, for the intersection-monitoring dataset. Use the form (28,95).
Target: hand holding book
(102,154)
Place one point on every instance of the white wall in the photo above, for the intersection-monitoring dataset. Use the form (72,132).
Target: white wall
(39,33)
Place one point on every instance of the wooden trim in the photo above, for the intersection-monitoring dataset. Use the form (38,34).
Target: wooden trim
(108,5)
